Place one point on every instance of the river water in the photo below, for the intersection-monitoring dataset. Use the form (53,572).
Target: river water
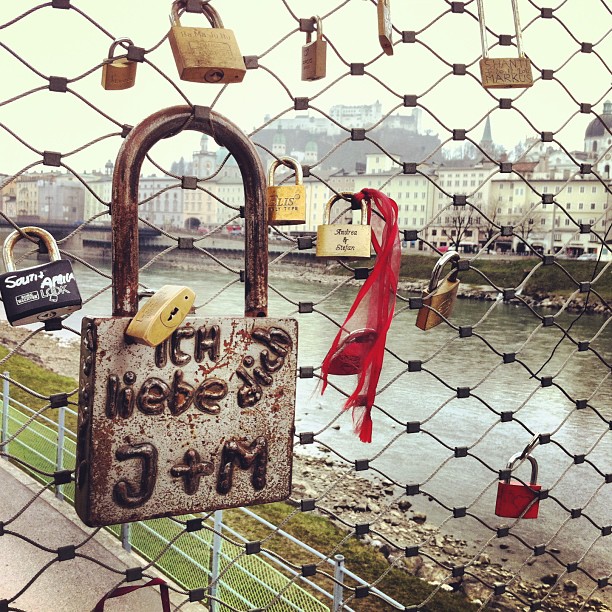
(429,396)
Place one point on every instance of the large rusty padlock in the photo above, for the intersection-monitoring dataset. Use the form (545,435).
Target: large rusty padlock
(118,72)
(440,297)
(286,203)
(514,497)
(39,293)
(503,72)
(205,55)
(342,239)
(205,420)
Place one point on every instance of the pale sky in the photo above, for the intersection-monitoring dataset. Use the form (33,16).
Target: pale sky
(64,43)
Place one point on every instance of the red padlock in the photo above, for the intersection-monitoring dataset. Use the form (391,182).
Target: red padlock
(513,497)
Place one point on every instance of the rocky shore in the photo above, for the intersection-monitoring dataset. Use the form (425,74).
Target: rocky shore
(378,502)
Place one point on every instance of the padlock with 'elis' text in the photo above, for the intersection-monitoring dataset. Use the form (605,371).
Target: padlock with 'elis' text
(118,72)
(314,55)
(439,299)
(40,293)
(341,239)
(515,499)
(205,55)
(286,203)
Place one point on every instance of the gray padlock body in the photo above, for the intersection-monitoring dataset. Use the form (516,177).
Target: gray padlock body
(44,292)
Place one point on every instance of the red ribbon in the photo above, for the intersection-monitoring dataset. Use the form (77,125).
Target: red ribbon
(359,346)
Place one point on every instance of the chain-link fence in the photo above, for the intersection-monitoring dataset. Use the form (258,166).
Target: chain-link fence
(521,368)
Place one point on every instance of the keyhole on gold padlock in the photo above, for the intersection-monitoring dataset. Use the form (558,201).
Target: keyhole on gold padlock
(173,313)
(214,75)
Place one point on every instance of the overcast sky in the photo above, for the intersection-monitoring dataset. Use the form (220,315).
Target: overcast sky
(64,43)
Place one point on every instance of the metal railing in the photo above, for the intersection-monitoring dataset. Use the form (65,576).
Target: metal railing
(50,447)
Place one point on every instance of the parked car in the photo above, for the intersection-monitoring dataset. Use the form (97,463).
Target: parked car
(588,257)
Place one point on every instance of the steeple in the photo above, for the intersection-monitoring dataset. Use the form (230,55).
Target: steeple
(486,142)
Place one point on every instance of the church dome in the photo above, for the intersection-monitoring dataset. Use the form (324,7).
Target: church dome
(597,127)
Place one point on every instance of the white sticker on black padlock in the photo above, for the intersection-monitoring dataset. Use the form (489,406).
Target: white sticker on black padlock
(39,293)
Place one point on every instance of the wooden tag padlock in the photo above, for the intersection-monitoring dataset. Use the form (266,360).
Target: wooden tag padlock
(40,293)
(118,73)
(314,55)
(205,55)
(439,299)
(286,203)
(513,497)
(503,73)
(343,240)
(204,420)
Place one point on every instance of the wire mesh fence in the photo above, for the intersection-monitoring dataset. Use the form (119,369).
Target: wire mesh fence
(515,371)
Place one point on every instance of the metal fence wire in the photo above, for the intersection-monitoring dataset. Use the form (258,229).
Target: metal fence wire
(503,376)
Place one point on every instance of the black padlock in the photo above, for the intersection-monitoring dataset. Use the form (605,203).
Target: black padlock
(40,293)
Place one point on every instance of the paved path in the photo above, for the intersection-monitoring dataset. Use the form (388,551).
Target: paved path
(70,586)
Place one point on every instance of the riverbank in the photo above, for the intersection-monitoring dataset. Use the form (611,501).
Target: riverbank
(471,286)
(391,515)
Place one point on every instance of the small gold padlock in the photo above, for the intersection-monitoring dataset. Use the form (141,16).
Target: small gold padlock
(160,315)
(499,72)
(439,299)
(385,27)
(314,55)
(343,240)
(118,73)
(205,55)
(286,203)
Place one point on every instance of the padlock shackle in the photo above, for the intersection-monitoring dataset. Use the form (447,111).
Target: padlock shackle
(285,161)
(319,29)
(124,205)
(517,460)
(483,29)
(14,237)
(436,273)
(116,42)
(342,196)
(211,14)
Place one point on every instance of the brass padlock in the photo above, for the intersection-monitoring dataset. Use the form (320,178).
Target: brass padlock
(385,27)
(205,55)
(204,420)
(286,203)
(343,240)
(439,299)
(499,72)
(160,315)
(118,73)
(314,55)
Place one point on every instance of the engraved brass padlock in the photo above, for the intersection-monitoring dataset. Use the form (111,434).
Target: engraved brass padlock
(286,203)
(314,55)
(343,240)
(503,73)
(385,26)
(161,314)
(205,55)
(118,72)
(513,497)
(40,293)
(204,420)
(439,299)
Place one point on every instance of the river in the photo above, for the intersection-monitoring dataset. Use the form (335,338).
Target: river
(447,422)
